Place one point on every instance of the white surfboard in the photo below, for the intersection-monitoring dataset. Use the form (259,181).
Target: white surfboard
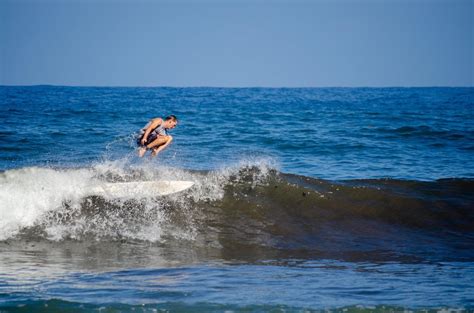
(140,188)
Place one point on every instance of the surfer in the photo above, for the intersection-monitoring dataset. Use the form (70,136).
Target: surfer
(154,136)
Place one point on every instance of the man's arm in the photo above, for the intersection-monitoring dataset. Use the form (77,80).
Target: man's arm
(154,124)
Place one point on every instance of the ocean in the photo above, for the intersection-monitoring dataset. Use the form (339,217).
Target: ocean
(305,200)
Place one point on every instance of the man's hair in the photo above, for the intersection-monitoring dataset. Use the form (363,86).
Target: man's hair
(171,117)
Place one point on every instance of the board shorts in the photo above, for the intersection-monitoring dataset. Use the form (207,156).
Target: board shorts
(152,136)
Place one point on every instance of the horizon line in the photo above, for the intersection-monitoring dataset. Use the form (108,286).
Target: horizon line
(236,87)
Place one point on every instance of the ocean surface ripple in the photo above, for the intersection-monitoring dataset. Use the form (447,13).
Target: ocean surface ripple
(311,199)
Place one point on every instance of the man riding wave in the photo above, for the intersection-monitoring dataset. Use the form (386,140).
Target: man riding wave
(154,136)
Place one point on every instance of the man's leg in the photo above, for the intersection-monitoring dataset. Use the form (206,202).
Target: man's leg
(141,148)
(154,151)
(158,142)
(141,151)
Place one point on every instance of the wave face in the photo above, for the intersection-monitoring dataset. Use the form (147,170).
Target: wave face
(249,209)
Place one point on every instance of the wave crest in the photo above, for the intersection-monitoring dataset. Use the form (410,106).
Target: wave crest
(55,204)
(244,209)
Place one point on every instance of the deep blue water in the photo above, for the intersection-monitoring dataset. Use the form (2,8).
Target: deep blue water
(334,133)
(342,199)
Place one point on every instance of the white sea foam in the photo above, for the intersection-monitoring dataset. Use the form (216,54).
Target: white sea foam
(54,200)
(27,193)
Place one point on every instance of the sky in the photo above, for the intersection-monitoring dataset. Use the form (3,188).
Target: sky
(320,43)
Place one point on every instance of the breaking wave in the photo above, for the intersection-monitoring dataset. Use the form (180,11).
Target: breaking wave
(244,209)
(56,204)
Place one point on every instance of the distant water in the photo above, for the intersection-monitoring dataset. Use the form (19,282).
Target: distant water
(339,199)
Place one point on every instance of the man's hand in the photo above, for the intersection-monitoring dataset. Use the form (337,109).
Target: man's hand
(143,141)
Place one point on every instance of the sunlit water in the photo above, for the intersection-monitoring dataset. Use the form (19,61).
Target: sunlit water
(304,199)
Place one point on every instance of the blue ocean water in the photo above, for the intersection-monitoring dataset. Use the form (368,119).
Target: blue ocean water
(309,199)
(333,133)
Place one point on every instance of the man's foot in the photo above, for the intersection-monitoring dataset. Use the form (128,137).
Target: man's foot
(154,152)
(141,151)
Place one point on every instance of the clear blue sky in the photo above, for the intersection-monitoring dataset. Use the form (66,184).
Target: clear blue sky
(237,43)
